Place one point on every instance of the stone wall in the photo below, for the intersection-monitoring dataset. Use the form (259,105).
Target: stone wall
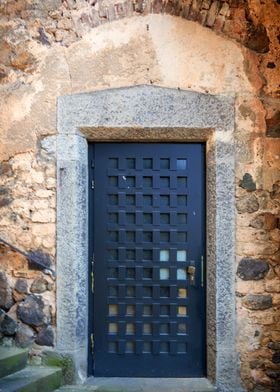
(52,48)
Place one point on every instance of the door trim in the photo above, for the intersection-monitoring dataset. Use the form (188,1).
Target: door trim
(146,113)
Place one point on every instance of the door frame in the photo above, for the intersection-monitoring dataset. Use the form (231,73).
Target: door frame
(151,114)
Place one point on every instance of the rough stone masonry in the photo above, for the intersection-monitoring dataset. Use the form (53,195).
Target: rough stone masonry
(53,48)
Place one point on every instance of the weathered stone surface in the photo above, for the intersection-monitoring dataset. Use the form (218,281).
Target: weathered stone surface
(39,285)
(266,221)
(32,311)
(252,269)
(274,345)
(276,357)
(25,336)
(258,39)
(248,183)
(42,259)
(6,299)
(45,336)
(257,301)
(8,326)
(247,203)
(21,286)
(273,125)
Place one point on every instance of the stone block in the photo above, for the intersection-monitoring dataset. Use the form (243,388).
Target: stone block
(45,336)
(247,203)
(25,336)
(8,326)
(266,221)
(252,269)
(6,298)
(248,183)
(257,301)
(33,311)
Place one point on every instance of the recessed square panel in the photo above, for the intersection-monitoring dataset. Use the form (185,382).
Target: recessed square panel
(164,255)
(147,273)
(113,180)
(164,200)
(147,182)
(182,182)
(164,347)
(165,163)
(182,328)
(113,217)
(147,254)
(113,236)
(112,273)
(130,236)
(113,254)
(147,236)
(164,329)
(130,291)
(181,255)
(147,291)
(147,218)
(147,347)
(164,182)
(130,217)
(113,328)
(181,218)
(182,200)
(130,310)
(112,347)
(130,273)
(130,181)
(130,329)
(164,218)
(130,200)
(182,347)
(164,273)
(164,236)
(130,163)
(164,292)
(113,291)
(113,310)
(147,163)
(182,292)
(113,199)
(182,236)
(130,347)
(113,163)
(130,254)
(147,329)
(181,274)
(147,200)
(181,164)
(147,310)
(182,311)
(164,310)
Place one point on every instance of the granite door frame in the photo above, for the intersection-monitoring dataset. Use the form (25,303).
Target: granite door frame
(146,114)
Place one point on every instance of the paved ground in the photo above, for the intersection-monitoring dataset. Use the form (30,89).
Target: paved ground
(141,385)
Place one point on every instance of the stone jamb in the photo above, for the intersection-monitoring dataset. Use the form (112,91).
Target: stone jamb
(148,114)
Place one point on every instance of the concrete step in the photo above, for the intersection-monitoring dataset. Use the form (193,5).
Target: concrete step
(32,379)
(12,360)
(115,384)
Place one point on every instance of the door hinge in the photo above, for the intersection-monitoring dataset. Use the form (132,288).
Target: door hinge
(202,271)
(92,184)
(92,274)
(92,343)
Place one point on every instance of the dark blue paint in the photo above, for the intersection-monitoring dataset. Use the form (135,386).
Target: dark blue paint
(127,234)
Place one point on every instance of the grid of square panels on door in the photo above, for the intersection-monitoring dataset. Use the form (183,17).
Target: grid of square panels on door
(147,234)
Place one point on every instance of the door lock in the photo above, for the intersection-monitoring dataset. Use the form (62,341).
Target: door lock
(191,272)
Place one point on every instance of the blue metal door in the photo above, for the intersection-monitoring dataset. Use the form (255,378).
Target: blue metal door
(147,232)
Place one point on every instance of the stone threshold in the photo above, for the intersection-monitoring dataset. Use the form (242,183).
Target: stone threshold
(123,384)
